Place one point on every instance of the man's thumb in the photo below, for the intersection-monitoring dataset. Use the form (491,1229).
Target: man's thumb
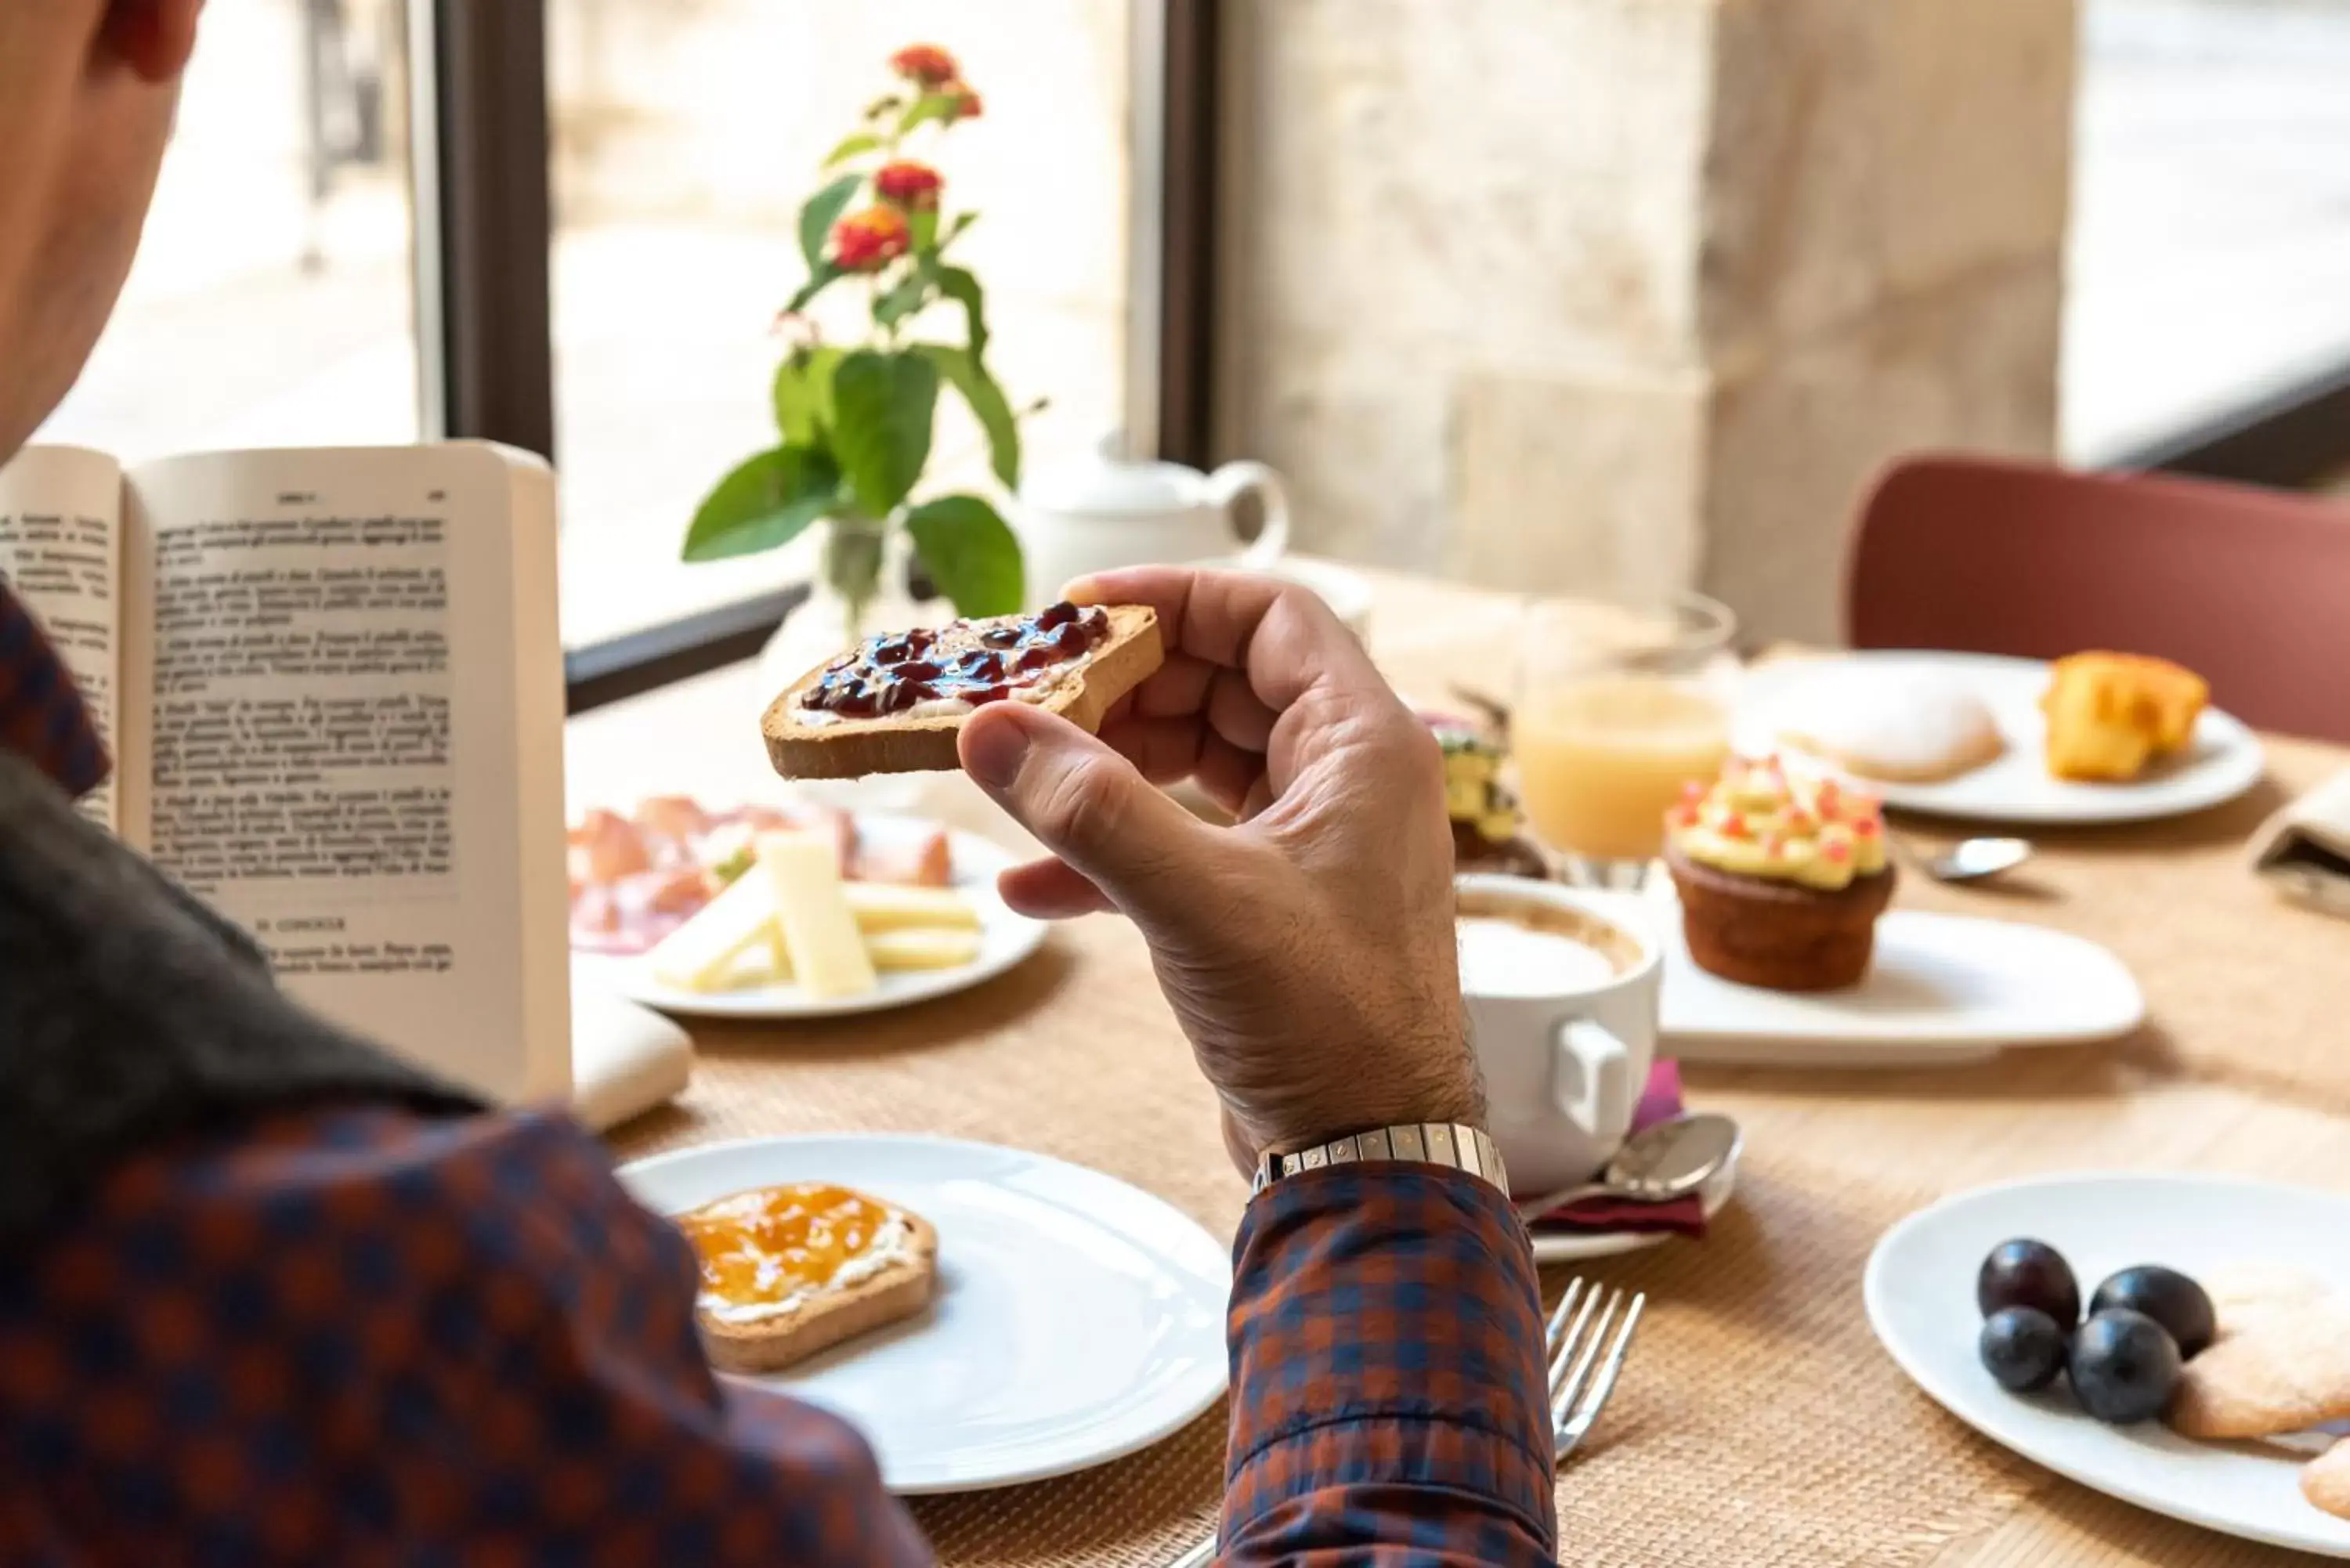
(1087,803)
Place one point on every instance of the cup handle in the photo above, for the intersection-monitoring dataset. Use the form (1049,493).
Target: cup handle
(1234,480)
(1600,1067)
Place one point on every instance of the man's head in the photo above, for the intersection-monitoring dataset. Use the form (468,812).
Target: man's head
(87,93)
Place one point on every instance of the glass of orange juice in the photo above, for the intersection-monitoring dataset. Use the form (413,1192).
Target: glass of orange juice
(1619,706)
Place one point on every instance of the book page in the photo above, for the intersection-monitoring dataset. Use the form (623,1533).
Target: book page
(347,684)
(60,521)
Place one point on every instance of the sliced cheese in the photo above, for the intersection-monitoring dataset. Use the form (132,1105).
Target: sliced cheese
(756,967)
(701,954)
(915,946)
(803,873)
(889,907)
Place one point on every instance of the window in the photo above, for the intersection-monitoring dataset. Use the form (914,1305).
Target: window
(272,301)
(278,298)
(685,138)
(2211,250)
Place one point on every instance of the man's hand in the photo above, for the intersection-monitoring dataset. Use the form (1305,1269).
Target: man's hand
(1308,952)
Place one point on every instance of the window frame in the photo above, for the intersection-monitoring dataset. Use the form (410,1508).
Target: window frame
(484,237)
(2289,439)
(480,165)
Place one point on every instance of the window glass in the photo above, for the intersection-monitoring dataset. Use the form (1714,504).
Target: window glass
(271,304)
(2210,247)
(686,136)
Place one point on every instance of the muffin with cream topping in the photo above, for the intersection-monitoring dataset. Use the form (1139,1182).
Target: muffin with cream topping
(1780,877)
(1484,814)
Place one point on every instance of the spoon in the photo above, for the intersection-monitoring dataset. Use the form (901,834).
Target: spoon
(1972,859)
(1656,1165)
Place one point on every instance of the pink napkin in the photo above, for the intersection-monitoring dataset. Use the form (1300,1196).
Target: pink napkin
(1659,1101)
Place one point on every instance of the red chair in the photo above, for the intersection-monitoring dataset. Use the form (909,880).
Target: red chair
(2251,587)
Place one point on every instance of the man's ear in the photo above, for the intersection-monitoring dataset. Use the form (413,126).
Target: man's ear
(153,37)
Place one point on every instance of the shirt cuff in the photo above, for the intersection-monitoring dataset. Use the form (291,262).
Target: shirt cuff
(1385,1332)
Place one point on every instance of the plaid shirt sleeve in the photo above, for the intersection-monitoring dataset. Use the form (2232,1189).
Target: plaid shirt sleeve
(41,714)
(364,1337)
(1390,1403)
(359,1336)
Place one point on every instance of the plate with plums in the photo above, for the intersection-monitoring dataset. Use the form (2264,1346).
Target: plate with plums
(2180,1342)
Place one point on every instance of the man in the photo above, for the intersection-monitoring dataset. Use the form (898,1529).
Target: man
(267,1296)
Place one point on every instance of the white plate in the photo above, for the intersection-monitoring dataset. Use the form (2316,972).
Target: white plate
(1942,989)
(1920,1293)
(1563,1247)
(1004,940)
(2223,761)
(1077,1318)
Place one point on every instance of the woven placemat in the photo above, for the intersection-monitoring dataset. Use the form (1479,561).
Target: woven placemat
(1758,1421)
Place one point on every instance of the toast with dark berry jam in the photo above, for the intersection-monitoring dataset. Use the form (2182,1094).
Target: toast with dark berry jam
(894,704)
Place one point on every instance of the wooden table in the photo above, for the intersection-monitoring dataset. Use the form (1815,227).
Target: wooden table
(2244,1068)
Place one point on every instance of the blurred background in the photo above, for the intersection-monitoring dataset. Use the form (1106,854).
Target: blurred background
(1583,296)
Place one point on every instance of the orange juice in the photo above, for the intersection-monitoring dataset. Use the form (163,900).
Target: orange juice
(1601,759)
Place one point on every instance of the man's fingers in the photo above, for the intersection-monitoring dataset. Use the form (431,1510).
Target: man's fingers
(1165,750)
(1235,713)
(1227,773)
(1089,805)
(1280,633)
(1048,890)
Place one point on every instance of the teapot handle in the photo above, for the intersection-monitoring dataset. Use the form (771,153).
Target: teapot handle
(1234,480)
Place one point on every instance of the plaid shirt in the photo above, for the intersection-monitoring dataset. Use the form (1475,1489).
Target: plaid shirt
(363,1336)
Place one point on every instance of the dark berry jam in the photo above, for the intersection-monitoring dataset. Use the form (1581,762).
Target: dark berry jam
(973,662)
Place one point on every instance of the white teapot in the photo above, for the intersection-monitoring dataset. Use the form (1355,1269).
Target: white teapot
(1108,511)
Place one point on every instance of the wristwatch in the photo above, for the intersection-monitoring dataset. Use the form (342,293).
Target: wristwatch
(1453,1144)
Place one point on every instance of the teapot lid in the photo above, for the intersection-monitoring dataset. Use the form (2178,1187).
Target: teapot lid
(1105,483)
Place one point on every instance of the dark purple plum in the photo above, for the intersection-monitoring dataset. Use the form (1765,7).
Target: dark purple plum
(2025,1272)
(2021,1348)
(2124,1365)
(2169,1297)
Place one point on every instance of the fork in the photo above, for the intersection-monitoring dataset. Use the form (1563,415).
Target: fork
(1580,1381)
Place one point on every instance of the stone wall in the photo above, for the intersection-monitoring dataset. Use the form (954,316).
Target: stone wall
(1616,295)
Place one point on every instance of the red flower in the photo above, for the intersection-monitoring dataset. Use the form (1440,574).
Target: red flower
(926,64)
(907,183)
(870,240)
(966,105)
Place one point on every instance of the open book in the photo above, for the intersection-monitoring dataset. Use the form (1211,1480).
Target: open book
(332,683)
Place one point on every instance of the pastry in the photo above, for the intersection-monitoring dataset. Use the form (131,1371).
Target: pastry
(1897,726)
(2325,1479)
(895,704)
(2285,1370)
(2111,714)
(1486,821)
(1781,879)
(2241,1294)
(788,1270)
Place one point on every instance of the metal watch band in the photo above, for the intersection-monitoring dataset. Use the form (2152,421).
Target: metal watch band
(1450,1144)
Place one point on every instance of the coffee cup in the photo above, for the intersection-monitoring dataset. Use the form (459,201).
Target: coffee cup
(1561,992)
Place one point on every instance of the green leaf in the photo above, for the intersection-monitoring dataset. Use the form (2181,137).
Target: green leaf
(930,106)
(822,278)
(803,395)
(971,553)
(954,230)
(849,146)
(963,289)
(882,405)
(764,503)
(823,210)
(905,299)
(922,229)
(988,405)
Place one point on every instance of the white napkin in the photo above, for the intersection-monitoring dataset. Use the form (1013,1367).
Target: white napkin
(2303,851)
(625,1059)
